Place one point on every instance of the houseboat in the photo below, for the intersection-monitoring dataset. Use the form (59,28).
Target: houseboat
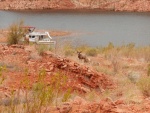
(38,37)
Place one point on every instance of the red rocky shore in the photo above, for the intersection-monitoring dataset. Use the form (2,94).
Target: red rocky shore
(78,75)
(105,5)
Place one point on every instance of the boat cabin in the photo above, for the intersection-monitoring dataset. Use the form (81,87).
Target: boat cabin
(38,37)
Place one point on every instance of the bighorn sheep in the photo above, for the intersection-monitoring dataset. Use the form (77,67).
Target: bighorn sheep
(82,57)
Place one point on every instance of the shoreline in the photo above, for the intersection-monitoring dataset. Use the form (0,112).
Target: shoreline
(77,11)
(82,10)
(53,33)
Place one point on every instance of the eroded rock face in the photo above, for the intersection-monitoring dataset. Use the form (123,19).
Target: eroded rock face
(84,74)
(115,5)
(18,58)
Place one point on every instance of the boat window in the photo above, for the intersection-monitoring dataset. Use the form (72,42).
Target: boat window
(41,37)
(33,36)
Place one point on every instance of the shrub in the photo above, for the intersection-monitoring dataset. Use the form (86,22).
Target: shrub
(68,49)
(133,76)
(115,64)
(144,86)
(67,95)
(110,46)
(44,95)
(92,52)
(82,48)
(148,71)
(1,76)
(42,48)
(16,32)
(69,52)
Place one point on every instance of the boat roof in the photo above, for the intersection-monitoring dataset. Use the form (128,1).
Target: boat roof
(38,33)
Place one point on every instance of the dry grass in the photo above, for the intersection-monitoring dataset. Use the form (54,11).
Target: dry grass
(120,61)
(144,86)
(37,97)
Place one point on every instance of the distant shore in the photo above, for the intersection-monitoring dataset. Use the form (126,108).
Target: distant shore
(103,5)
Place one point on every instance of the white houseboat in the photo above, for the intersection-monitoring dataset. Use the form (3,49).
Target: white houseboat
(38,37)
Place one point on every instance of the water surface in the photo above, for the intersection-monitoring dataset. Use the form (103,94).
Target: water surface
(92,28)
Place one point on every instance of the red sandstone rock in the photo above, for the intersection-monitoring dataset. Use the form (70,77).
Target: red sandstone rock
(117,5)
(78,77)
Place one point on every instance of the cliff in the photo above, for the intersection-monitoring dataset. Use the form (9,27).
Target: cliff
(109,5)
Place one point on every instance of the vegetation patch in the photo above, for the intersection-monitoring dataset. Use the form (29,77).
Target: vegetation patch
(144,86)
(42,48)
(148,71)
(92,52)
(16,32)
